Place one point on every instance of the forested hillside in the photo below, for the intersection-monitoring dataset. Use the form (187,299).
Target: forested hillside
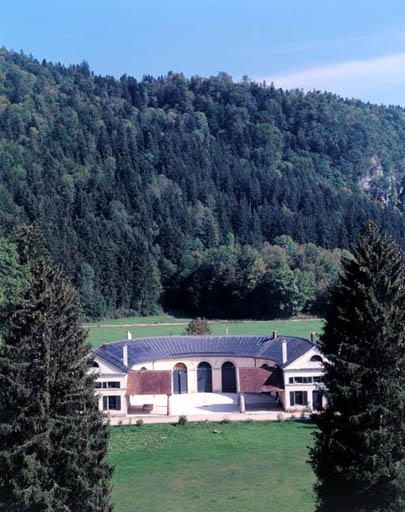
(201,194)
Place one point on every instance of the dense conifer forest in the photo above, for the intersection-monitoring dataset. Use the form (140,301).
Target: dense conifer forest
(200,195)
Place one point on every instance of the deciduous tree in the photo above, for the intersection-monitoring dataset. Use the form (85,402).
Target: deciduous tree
(198,326)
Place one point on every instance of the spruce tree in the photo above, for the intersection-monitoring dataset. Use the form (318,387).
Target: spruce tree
(53,441)
(359,452)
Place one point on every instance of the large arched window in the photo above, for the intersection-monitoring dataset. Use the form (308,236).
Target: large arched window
(180,379)
(204,378)
(317,359)
(228,377)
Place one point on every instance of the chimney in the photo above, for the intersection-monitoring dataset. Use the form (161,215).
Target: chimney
(129,335)
(284,350)
(104,346)
(125,354)
(313,337)
(274,335)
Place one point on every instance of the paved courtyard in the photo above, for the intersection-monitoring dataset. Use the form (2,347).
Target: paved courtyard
(212,407)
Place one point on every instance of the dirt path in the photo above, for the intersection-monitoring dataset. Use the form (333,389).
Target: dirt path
(168,324)
(138,324)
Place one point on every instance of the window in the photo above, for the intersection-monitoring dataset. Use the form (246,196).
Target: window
(305,380)
(111,403)
(319,378)
(106,385)
(300,380)
(298,398)
(316,359)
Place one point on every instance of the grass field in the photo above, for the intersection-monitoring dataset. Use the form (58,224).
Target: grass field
(98,335)
(258,466)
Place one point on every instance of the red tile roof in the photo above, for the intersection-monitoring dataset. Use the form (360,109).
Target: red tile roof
(145,382)
(260,380)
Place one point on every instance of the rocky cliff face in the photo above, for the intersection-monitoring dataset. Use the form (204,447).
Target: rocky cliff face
(373,173)
(381,185)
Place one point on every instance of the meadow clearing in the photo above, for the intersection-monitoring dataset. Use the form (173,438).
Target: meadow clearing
(244,466)
(165,325)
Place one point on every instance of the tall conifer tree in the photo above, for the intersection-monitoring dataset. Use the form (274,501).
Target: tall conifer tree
(53,441)
(359,453)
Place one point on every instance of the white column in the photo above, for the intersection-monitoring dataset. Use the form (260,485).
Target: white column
(242,406)
(169,405)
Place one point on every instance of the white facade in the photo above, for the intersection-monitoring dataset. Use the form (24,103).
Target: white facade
(303,382)
(111,388)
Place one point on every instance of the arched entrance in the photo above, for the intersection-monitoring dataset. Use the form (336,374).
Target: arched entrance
(180,379)
(204,378)
(228,377)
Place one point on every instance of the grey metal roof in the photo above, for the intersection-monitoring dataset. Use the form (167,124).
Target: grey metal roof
(143,350)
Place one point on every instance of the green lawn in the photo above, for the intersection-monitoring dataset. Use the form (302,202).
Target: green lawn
(98,335)
(301,328)
(258,466)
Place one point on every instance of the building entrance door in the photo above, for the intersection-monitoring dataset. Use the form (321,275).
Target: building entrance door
(228,378)
(316,401)
(180,379)
(204,378)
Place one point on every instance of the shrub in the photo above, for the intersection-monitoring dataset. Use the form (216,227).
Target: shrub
(198,326)
(182,420)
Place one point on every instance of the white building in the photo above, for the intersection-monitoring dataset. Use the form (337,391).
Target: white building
(138,376)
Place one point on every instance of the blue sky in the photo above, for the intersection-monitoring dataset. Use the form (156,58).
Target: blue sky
(354,48)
